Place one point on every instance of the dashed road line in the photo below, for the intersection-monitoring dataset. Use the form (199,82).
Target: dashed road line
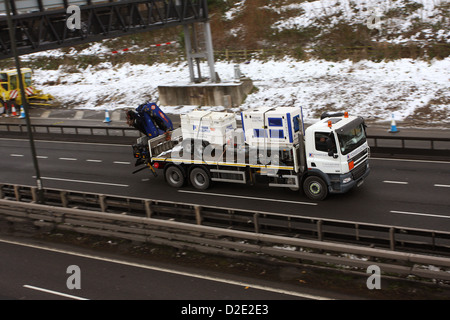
(395,182)
(16,155)
(420,214)
(442,185)
(122,162)
(68,159)
(86,181)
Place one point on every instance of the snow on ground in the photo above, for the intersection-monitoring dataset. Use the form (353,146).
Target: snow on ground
(392,18)
(406,88)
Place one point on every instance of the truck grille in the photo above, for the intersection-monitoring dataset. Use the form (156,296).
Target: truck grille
(360,157)
(359,171)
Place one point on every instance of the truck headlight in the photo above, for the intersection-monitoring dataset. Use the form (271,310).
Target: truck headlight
(347,180)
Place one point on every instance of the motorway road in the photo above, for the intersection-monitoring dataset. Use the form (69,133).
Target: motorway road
(41,273)
(410,193)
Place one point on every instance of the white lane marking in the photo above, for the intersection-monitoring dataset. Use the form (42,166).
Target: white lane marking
(246,197)
(54,292)
(411,160)
(395,182)
(122,162)
(420,214)
(79,115)
(442,185)
(71,142)
(181,273)
(45,114)
(16,155)
(42,157)
(94,160)
(84,181)
(68,159)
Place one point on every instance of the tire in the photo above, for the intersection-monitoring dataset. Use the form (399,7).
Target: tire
(315,188)
(174,177)
(200,179)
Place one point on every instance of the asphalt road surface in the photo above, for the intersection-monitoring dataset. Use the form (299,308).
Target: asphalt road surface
(410,193)
(37,272)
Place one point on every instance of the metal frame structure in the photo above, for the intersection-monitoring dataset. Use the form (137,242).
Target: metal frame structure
(45,28)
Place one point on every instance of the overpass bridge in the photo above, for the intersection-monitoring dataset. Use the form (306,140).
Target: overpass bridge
(41,25)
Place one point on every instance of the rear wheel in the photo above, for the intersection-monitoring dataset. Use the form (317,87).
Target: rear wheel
(174,176)
(200,179)
(315,188)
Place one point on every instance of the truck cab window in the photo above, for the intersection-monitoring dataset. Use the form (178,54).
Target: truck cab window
(4,81)
(325,142)
(27,77)
(13,81)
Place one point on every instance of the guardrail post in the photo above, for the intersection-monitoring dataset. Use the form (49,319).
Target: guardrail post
(256,221)
(16,193)
(319,230)
(392,238)
(64,202)
(198,214)
(148,208)
(357,231)
(2,194)
(34,194)
(102,199)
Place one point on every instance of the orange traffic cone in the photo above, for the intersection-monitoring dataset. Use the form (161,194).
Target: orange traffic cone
(14,112)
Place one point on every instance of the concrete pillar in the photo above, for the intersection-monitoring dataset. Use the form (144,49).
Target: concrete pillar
(188,44)
(210,52)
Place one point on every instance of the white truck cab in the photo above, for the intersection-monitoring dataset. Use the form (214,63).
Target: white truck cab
(337,153)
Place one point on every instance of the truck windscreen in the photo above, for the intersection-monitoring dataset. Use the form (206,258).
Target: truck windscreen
(351,138)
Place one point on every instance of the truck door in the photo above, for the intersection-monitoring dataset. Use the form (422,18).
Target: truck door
(324,158)
(27,79)
(4,81)
(13,84)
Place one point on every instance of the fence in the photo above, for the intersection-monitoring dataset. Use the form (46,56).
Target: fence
(386,145)
(71,129)
(398,145)
(370,235)
(222,241)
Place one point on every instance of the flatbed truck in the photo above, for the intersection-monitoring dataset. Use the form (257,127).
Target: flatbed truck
(330,156)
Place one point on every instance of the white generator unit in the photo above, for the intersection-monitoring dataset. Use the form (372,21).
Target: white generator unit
(272,126)
(215,127)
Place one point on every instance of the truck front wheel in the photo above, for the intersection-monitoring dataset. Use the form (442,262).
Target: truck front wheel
(174,176)
(315,188)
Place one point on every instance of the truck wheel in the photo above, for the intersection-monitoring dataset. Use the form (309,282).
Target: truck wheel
(315,188)
(200,179)
(174,177)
